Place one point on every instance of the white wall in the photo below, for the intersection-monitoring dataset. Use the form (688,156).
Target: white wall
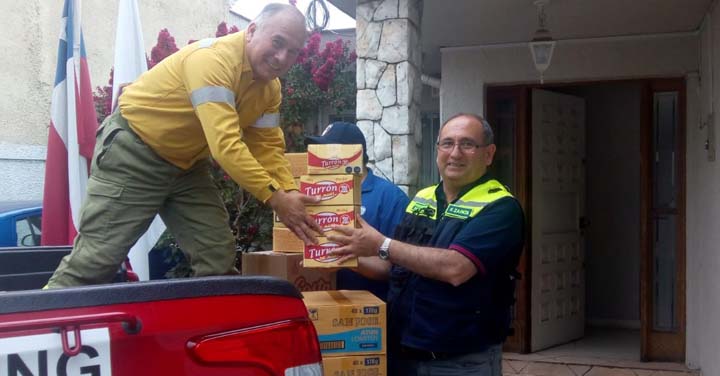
(466,71)
(703,207)
(22,168)
(237,20)
(30,39)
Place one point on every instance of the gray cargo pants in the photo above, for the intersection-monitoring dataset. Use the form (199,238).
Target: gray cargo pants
(129,184)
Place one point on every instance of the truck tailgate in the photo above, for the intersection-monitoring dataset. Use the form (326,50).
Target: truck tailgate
(199,326)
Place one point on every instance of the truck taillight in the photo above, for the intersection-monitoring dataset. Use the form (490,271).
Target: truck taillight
(281,348)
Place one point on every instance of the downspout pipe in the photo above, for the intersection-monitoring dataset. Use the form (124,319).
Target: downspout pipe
(430,81)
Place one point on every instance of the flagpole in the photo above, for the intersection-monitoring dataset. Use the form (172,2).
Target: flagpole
(71,136)
(129,63)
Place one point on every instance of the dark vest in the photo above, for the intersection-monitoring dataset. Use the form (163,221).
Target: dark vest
(436,316)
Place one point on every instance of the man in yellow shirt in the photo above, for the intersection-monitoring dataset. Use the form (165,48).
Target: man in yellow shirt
(217,97)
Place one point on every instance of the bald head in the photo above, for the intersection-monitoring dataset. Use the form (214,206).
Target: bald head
(488,135)
(290,13)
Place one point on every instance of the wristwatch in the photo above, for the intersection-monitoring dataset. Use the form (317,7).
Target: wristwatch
(384,251)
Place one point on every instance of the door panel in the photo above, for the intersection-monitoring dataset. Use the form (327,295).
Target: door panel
(558,189)
(662,274)
(507,111)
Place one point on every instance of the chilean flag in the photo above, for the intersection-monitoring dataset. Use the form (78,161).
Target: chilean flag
(71,137)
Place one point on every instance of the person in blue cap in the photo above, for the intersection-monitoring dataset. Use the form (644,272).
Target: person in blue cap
(383,206)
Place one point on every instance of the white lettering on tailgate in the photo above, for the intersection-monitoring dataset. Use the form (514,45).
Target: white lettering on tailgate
(42,355)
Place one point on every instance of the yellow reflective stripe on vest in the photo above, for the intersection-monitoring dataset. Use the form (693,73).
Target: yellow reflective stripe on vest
(467,206)
(424,199)
(475,200)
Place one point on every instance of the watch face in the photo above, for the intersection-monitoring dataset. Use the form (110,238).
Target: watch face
(383,254)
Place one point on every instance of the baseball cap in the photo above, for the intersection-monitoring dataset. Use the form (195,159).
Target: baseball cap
(340,132)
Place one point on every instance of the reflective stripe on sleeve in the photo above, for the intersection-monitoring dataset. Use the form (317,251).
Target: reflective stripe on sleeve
(207,42)
(267,121)
(212,94)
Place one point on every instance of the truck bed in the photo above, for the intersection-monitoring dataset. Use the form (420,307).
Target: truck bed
(197,326)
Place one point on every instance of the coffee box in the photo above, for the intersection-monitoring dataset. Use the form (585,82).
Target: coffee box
(316,256)
(356,365)
(334,159)
(287,266)
(347,322)
(333,189)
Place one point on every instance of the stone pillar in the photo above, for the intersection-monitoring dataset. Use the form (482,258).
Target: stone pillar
(389,86)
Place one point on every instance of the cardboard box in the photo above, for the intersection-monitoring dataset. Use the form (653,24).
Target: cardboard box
(333,189)
(329,216)
(285,240)
(375,365)
(347,322)
(298,163)
(316,256)
(287,266)
(334,159)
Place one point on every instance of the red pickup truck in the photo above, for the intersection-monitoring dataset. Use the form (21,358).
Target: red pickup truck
(200,326)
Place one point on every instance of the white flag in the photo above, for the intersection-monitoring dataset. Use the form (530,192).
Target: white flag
(130,60)
(130,63)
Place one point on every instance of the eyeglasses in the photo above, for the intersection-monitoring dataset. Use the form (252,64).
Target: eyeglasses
(466,146)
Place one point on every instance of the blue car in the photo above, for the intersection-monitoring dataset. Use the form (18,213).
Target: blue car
(20,223)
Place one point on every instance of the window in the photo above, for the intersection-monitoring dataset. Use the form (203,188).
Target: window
(28,231)
(348,118)
(428,167)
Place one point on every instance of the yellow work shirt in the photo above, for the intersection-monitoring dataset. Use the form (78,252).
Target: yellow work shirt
(201,101)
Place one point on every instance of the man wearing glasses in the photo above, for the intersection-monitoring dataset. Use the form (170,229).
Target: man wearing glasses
(451,262)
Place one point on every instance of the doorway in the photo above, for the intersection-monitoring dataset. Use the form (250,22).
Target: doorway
(630,220)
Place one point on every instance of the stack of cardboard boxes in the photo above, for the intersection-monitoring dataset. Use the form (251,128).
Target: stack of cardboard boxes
(333,175)
(288,263)
(351,325)
(330,172)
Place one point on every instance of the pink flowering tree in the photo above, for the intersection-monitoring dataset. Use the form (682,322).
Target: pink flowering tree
(319,78)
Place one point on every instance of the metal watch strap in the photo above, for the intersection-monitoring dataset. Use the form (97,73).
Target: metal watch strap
(384,251)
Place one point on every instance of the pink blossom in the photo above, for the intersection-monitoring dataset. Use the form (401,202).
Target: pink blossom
(221,29)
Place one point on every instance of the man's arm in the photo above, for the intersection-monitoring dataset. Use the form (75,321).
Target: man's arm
(266,141)
(208,80)
(483,246)
(440,264)
(374,268)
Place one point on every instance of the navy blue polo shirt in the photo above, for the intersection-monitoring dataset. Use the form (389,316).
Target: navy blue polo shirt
(383,207)
(487,238)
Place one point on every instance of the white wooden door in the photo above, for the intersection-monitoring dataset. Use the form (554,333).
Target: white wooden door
(558,190)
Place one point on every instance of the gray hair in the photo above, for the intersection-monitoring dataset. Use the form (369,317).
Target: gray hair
(272,9)
(488,135)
